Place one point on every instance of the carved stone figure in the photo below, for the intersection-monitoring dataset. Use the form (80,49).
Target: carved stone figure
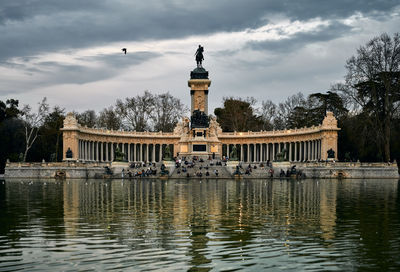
(200,102)
(214,127)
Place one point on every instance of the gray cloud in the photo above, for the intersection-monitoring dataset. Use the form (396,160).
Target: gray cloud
(110,66)
(35,26)
(294,42)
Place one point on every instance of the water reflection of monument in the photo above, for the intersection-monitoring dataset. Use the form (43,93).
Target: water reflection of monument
(202,213)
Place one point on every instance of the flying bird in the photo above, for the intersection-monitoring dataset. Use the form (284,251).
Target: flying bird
(124,50)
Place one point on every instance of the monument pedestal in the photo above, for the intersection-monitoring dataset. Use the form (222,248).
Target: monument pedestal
(284,165)
(117,167)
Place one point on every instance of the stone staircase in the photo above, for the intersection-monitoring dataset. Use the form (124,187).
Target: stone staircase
(201,167)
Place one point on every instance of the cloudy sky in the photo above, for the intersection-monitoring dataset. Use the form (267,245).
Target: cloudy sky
(70,51)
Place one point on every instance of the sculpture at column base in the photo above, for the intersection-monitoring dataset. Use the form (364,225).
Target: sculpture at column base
(199,120)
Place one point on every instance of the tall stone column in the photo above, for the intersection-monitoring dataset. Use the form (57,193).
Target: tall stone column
(101,152)
(106,154)
(248,153)
(86,150)
(241,153)
(134,152)
(311,150)
(273,151)
(160,152)
(79,149)
(112,151)
(141,152)
(147,153)
(153,157)
(290,151)
(268,158)
(199,84)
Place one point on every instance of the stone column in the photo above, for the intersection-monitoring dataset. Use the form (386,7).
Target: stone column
(160,152)
(134,152)
(141,152)
(241,153)
(79,149)
(248,152)
(101,152)
(85,150)
(268,151)
(286,148)
(290,151)
(295,151)
(147,153)
(301,151)
(312,149)
(153,156)
(273,152)
(112,152)
(106,152)
(319,149)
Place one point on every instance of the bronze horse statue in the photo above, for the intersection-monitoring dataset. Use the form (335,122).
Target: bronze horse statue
(199,56)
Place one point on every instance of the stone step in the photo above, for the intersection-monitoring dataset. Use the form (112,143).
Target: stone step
(222,171)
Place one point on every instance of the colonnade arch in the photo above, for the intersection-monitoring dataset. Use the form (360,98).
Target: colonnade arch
(296,151)
(98,151)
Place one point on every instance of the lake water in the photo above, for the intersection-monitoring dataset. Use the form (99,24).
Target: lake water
(218,225)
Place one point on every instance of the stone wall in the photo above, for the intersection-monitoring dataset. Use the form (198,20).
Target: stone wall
(329,170)
(310,170)
(50,170)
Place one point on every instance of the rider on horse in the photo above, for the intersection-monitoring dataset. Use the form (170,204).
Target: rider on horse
(199,56)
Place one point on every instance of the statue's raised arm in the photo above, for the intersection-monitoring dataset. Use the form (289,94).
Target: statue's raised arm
(199,56)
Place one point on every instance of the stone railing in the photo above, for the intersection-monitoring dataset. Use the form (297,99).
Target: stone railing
(107,132)
(263,133)
(55,164)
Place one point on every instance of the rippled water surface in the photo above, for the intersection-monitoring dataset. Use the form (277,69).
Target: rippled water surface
(180,225)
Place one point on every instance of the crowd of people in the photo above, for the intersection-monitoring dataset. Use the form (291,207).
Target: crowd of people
(199,165)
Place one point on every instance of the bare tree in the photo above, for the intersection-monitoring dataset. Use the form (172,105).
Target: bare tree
(109,119)
(167,112)
(373,84)
(87,118)
(286,108)
(268,114)
(136,111)
(32,122)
